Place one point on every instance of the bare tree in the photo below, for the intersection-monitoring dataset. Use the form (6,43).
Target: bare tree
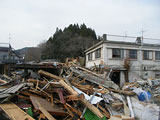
(32,54)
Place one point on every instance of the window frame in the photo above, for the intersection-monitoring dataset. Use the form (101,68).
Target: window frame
(148,55)
(116,56)
(98,53)
(156,55)
(135,55)
(90,56)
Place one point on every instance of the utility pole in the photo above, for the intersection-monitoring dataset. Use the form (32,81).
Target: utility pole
(126,33)
(10,49)
(9,37)
(142,32)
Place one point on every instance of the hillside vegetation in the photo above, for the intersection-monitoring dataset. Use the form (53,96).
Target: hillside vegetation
(70,42)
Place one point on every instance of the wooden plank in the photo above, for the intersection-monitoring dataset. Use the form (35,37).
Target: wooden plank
(84,88)
(121,117)
(23,97)
(47,106)
(47,74)
(27,93)
(88,71)
(78,112)
(84,101)
(40,92)
(115,105)
(94,79)
(104,111)
(74,97)
(69,111)
(14,112)
(92,108)
(82,81)
(67,87)
(53,84)
(45,112)
(124,92)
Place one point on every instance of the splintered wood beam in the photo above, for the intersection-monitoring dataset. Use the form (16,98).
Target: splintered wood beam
(55,110)
(74,97)
(92,108)
(45,112)
(69,111)
(67,87)
(104,111)
(84,88)
(84,101)
(54,84)
(78,112)
(23,97)
(88,71)
(14,112)
(124,92)
(82,81)
(47,74)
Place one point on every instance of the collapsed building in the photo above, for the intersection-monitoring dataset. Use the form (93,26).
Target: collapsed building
(125,61)
(69,91)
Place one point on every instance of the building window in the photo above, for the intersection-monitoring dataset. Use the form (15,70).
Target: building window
(4,57)
(98,53)
(147,55)
(89,56)
(157,55)
(157,75)
(116,53)
(133,54)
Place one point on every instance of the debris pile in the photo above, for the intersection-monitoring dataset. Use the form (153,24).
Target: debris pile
(76,93)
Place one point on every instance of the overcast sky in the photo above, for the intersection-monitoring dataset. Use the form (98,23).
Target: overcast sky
(32,21)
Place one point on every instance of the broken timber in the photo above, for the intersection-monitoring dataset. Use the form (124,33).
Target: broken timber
(45,112)
(124,92)
(84,101)
(94,79)
(14,112)
(47,74)
(47,106)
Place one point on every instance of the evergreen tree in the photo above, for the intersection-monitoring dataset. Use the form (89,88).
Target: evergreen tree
(71,42)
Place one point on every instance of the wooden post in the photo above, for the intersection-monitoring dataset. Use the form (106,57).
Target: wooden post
(84,101)
(47,74)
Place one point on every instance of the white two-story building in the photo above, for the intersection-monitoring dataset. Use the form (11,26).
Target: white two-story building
(126,61)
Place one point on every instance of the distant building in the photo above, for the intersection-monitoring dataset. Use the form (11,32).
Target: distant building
(7,56)
(126,61)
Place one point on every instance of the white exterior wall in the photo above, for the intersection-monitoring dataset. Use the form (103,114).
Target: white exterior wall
(122,78)
(136,68)
(94,60)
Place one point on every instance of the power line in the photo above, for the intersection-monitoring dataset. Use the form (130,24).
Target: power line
(149,39)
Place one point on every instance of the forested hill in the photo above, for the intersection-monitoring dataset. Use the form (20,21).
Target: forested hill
(70,42)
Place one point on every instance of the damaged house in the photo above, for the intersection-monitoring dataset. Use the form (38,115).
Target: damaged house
(125,61)
(7,57)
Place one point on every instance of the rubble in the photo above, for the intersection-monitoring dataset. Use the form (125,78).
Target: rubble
(74,93)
